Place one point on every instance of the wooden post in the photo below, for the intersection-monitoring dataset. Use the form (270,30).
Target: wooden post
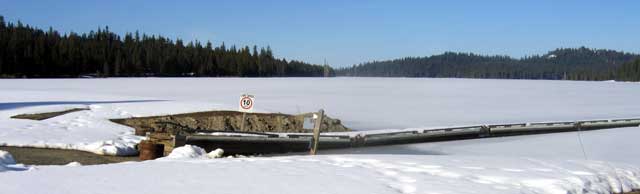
(244,114)
(150,150)
(316,132)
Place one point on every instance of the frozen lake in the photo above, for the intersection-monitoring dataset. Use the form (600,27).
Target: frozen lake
(362,103)
(549,163)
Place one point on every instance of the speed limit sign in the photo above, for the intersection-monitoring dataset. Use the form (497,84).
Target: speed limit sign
(246,103)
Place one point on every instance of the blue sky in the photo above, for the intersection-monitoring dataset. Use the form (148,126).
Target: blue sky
(350,32)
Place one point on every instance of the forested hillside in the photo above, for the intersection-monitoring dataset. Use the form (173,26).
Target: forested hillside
(30,52)
(630,71)
(567,63)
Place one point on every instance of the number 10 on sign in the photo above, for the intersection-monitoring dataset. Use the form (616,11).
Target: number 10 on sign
(247,103)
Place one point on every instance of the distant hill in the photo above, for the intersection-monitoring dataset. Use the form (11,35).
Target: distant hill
(31,52)
(565,63)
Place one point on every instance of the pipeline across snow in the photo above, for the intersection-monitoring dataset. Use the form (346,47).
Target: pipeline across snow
(239,143)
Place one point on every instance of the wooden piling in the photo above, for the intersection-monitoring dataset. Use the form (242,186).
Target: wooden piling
(316,132)
(150,150)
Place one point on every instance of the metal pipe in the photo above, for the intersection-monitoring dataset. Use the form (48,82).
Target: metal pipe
(300,142)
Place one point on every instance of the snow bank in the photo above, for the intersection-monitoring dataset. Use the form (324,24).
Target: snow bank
(335,174)
(193,152)
(122,146)
(6,158)
(7,163)
(88,130)
(187,151)
(217,153)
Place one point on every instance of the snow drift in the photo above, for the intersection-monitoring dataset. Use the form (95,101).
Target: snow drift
(5,159)
(7,163)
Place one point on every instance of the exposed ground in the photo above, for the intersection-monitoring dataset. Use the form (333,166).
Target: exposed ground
(46,115)
(42,156)
(229,121)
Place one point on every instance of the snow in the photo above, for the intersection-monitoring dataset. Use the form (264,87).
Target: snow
(217,153)
(72,164)
(193,152)
(614,145)
(236,134)
(550,163)
(361,103)
(6,158)
(187,151)
(7,163)
(332,174)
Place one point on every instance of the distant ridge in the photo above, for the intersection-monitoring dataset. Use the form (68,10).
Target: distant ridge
(564,63)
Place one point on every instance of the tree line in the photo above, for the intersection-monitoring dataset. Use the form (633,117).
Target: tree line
(564,63)
(629,71)
(31,52)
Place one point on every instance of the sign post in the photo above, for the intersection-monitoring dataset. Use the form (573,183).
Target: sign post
(246,105)
(316,131)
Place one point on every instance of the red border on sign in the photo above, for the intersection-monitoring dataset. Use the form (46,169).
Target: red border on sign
(250,105)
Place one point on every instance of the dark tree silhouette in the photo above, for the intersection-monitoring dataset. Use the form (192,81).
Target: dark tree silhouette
(630,71)
(566,63)
(30,52)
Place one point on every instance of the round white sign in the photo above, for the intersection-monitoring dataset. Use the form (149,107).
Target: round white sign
(246,103)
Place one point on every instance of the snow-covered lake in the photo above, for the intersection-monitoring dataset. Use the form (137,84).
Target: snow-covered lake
(362,103)
(550,163)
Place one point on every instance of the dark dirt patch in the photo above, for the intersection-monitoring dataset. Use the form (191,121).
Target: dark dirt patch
(43,116)
(43,156)
(228,121)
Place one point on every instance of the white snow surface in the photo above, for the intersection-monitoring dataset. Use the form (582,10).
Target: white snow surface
(361,103)
(7,163)
(6,158)
(614,145)
(187,152)
(331,174)
(193,152)
(550,163)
